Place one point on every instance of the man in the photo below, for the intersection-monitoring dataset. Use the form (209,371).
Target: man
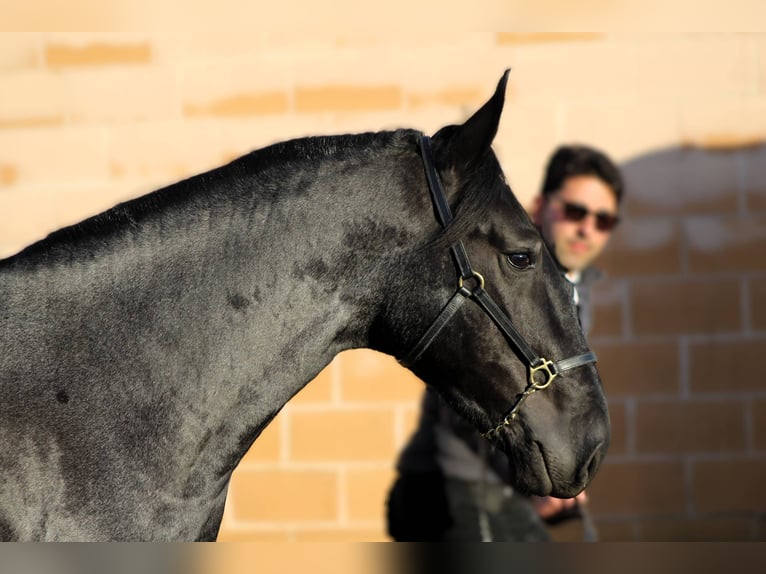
(452,485)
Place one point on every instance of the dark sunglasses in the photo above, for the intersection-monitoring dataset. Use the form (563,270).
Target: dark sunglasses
(576,212)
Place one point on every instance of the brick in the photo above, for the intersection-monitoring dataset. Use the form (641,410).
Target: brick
(638,368)
(59,156)
(681,181)
(581,66)
(757,296)
(345,98)
(244,104)
(6,250)
(756,199)
(32,122)
(759,43)
(279,556)
(425,70)
(268,446)
(526,135)
(619,428)
(367,492)
(643,246)
(320,389)
(358,435)
(619,530)
(231,533)
(208,43)
(680,426)
(608,303)
(20,51)
(638,489)
(122,94)
(679,66)
(727,366)
(642,128)
(73,205)
(729,485)
(342,535)
(522,167)
(162,152)
(284,495)
(244,134)
(567,531)
(57,55)
(522,38)
(724,123)
(32,98)
(698,529)
(450,96)
(677,307)
(25,216)
(369,376)
(717,244)
(9,175)
(759,424)
(755,178)
(258,86)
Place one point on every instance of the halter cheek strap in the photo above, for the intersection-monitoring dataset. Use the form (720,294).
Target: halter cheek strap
(542,371)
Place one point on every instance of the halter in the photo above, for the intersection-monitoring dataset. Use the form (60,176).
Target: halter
(542,371)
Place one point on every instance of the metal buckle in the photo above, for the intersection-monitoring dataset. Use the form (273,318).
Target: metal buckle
(545,366)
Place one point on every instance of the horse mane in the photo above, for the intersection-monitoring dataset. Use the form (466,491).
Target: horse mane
(200,189)
(270,163)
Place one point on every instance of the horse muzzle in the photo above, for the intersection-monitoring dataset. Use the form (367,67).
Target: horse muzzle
(571,471)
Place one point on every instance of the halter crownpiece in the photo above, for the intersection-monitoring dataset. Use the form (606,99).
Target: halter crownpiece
(542,371)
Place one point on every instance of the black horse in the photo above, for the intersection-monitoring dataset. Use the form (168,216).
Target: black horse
(145,349)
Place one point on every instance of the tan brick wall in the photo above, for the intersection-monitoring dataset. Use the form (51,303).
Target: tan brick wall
(681,333)
(90,119)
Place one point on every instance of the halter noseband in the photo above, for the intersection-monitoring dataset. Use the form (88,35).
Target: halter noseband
(542,371)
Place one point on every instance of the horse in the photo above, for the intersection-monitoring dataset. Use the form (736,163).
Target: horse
(144,349)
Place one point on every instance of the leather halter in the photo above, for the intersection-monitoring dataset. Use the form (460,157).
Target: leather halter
(542,371)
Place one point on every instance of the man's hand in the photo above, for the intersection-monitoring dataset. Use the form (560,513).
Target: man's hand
(554,510)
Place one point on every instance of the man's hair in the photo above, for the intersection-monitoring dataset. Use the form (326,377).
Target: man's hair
(573,160)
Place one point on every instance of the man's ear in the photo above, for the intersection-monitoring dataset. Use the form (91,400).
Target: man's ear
(536,210)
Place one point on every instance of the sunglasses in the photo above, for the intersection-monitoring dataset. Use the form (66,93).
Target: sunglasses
(575,212)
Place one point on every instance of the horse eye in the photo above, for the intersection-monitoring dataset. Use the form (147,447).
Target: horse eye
(520,260)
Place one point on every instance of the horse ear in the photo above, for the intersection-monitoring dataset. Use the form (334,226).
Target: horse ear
(474,137)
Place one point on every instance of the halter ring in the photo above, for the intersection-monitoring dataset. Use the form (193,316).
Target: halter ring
(475,275)
(545,366)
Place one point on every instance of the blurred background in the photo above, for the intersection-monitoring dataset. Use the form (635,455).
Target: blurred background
(88,119)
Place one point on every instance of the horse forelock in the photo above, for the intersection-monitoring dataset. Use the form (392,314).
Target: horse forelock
(481,188)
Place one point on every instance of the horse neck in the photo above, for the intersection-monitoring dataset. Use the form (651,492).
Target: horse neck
(223,307)
(287,283)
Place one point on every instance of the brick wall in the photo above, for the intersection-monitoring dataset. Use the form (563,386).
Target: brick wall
(87,120)
(680,341)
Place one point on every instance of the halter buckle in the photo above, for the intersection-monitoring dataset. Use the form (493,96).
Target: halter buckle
(548,369)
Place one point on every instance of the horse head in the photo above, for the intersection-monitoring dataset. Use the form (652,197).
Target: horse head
(516,364)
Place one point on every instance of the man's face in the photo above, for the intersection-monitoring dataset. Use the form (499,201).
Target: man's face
(577,243)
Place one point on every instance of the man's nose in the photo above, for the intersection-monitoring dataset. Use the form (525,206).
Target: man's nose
(586,226)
